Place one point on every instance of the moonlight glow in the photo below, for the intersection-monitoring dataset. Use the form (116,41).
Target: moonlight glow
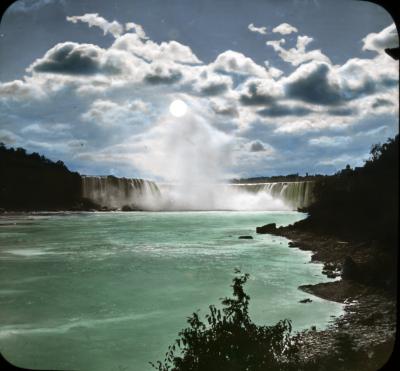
(178,108)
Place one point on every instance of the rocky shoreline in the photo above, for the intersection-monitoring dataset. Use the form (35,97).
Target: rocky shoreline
(369,311)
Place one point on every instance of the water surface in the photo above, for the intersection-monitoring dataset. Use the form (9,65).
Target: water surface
(110,291)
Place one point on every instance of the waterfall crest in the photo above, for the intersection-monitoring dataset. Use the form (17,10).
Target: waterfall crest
(112,192)
(294,194)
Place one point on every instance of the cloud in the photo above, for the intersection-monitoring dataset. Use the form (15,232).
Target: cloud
(313,83)
(25,6)
(284,29)
(151,51)
(259,92)
(298,55)
(235,62)
(257,146)
(208,83)
(324,141)
(380,102)
(279,110)
(387,38)
(161,74)
(108,113)
(343,111)
(225,110)
(74,59)
(8,137)
(137,28)
(260,30)
(18,90)
(93,19)
(361,77)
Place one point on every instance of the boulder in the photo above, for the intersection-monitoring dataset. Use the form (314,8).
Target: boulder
(267,228)
(245,237)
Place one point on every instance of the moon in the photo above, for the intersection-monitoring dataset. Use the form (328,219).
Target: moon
(178,108)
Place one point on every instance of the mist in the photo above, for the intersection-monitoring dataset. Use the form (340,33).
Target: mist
(191,160)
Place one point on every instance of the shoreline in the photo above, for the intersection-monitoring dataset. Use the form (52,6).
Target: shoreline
(369,312)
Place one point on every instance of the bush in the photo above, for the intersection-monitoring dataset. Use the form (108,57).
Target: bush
(229,340)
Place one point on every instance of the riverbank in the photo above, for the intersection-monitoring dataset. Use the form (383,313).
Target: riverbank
(370,311)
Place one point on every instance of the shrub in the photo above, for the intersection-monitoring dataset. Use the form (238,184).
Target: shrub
(229,340)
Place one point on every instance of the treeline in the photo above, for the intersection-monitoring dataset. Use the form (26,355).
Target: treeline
(361,203)
(33,182)
(278,178)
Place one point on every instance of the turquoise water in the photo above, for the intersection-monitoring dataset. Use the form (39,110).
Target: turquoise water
(110,291)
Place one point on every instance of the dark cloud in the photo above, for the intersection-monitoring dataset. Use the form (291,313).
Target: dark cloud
(162,75)
(345,111)
(255,97)
(310,83)
(380,102)
(224,110)
(73,59)
(214,88)
(278,110)
(257,146)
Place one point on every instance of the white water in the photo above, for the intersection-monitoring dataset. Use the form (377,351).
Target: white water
(117,192)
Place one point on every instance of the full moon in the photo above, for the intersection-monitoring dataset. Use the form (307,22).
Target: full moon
(178,108)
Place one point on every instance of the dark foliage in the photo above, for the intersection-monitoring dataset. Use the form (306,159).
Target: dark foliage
(361,203)
(229,340)
(33,182)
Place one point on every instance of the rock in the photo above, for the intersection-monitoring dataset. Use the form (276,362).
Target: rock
(305,301)
(267,228)
(126,208)
(245,237)
(349,270)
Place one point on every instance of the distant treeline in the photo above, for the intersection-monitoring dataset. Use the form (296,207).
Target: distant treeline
(279,178)
(360,203)
(33,182)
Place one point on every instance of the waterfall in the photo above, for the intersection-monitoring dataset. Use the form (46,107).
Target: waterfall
(112,192)
(294,194)
(115,193)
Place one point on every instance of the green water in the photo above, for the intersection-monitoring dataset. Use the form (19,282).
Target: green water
(110,291)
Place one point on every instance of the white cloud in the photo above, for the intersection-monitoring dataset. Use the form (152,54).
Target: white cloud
(260,30)
(150,51)
(298,55)
(335,141)
(137,28)
(93,19)
(284,29)
(234,62)
(107,113)
(387,38)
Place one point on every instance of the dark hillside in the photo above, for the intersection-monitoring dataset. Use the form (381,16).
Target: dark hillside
(360,204)
(33,182)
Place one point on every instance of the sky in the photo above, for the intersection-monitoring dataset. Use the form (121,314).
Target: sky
(272,87)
